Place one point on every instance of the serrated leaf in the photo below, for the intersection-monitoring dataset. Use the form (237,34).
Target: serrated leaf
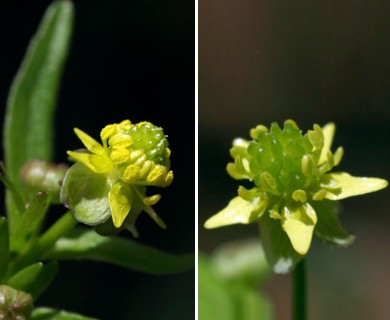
(28,127)
(277,246)
(328,227)
(43,313)
(82,244)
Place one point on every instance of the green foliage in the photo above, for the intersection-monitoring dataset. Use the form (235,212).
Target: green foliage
(229,281)
(85,244)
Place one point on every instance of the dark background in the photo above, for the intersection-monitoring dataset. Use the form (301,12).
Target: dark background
(314,62)
(128,60)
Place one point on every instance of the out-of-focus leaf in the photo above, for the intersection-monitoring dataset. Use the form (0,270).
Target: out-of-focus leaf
(241,260)
(30,222)
(52,314)
(82,244)
(213,297)
(35,278)
(28,127)
(225,298)
(4,247)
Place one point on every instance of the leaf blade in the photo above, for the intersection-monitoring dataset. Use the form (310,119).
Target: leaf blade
(81,244)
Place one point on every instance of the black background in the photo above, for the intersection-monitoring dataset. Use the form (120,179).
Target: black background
(128,60)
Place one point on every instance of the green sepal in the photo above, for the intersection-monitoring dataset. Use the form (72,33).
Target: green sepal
(43,313)
(4,247)
(30,222)
(35,278)
(85,193)
(82,244)
(328,227)
(28,127)
(277,246)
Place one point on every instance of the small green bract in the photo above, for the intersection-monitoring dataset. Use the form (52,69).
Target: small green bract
(294,191)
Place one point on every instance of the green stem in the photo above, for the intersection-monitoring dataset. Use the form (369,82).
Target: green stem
(59,229)
(299,291)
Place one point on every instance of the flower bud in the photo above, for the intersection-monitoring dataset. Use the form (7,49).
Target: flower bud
(15,304)
(39,175)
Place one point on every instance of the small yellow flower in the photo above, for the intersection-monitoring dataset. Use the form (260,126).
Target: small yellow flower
(291,175)
(109,180)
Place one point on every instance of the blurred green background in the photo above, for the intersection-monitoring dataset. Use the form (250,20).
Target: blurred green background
(132,60)
(314,62)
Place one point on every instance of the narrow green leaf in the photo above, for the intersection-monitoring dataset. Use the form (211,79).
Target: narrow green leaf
(28,127)
(25,277)
(277,246)
(30,222)
(329,228)
(52,314)
(81,244)
(35,278)
(43,279)
(4,247)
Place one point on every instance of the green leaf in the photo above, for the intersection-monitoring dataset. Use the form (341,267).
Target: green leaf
(35,278)
(28,127)
(4,247)
(30,222)
(85,193)
(25,277)
(82,244)
(43,313)
(328,227)
(223,298)
(213,297)
(277,246)
(242,260)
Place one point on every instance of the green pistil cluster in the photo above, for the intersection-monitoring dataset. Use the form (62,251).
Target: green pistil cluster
(285,166)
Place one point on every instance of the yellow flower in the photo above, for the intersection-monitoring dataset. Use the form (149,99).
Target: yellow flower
(109,180)
(291,176)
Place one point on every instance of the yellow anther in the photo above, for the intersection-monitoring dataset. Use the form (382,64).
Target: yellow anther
(134,155)
(157,175)
(152,200)
(168,179)
(120,140)
(107,132)
(119,156)
(146,168)
(131,173)
(299,195)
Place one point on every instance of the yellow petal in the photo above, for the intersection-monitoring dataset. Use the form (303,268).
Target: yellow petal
(96,163)
(299,222)
(90,143)
(351,186)
(328,131)
(237,211)
(120,199)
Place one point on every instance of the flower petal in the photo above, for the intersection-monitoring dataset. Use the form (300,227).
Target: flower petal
(237,211)
(277,246)
(90,143)
(328,131)
(121,199)
(351,186)
(96,163)
(85,194)
(298,222)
